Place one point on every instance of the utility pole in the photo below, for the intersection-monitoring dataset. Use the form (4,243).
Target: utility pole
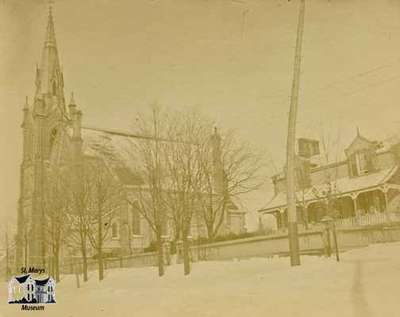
(291,149)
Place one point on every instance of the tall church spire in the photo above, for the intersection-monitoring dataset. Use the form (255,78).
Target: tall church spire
(49,79)
(50,35)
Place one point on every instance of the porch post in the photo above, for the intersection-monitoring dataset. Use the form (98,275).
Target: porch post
(281,218)
(354,197)
(306,215)
(385,190)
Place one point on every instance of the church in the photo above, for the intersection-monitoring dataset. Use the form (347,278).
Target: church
(53,137)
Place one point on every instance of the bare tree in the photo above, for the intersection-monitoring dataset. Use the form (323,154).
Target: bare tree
(186,172)
(229,169)
(57,206)
(303,182)
(328,192)
(148,198)
(182,156)
(79,191)
(104,197)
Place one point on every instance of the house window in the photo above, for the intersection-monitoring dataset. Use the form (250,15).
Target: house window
(353,165)
(114,230)
(362,163)
(29,295)
(365,162)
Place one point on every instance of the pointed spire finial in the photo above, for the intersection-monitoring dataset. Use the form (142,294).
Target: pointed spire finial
(49,79)
(51,3)
(50,36)
(358,131)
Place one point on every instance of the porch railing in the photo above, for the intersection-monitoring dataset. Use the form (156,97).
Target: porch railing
(369,219)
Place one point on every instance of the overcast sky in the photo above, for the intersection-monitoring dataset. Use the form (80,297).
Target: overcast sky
(230,59)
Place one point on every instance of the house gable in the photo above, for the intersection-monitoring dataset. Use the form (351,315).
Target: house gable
(360,143)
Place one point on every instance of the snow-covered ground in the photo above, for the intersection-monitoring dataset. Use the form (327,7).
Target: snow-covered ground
(365,283)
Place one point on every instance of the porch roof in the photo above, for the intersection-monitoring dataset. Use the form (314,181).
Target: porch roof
(341,187)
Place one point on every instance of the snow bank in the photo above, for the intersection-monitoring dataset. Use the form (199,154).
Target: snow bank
(365,283)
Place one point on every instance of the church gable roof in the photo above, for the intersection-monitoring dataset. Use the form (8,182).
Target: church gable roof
(116,149)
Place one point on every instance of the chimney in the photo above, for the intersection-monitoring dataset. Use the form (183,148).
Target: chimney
(307,148)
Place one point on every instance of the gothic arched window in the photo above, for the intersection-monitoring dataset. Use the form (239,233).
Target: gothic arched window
(114,230)
(136,227)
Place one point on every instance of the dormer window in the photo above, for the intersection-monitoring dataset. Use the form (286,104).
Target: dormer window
(362,159)
(362,163)
(361,155)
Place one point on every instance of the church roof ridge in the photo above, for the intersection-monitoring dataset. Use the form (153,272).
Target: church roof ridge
(119,133)
(130,134)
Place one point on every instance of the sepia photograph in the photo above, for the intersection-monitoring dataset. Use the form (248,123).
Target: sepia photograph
(203,158)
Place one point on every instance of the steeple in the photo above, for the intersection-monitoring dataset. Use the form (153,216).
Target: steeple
(49,78)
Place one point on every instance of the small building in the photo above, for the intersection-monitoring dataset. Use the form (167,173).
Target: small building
(365,183)
(45,290)
(26,289)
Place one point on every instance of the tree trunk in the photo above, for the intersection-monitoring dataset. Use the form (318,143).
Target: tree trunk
(186,255)
(84,262)
(84,268)
(101,265)
(55,259)
(50,266)
(78,284)
(160,256)
(25,249)
(210,232)
(100,248)
(57,265)
(100,262)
